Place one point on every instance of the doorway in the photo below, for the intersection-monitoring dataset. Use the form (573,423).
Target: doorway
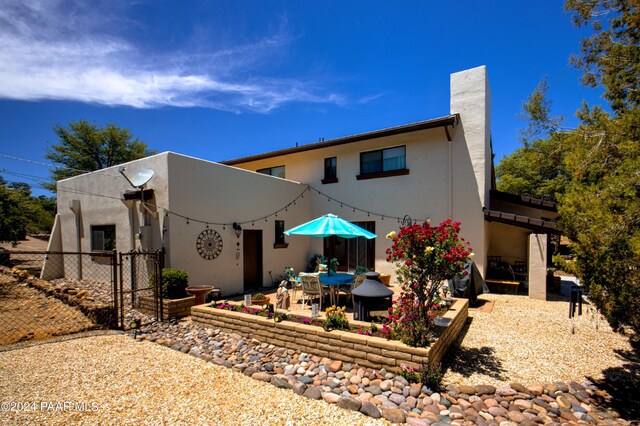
(252,259)
(352,252)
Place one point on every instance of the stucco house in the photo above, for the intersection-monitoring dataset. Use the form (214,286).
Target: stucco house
(224,222)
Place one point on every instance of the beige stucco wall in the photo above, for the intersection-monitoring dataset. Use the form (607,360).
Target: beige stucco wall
(510,242)
(447,179)
(98,196)
(213,192)
(422,194)
(200,190)
(538,266)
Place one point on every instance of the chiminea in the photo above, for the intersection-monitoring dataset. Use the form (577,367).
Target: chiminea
(370,296)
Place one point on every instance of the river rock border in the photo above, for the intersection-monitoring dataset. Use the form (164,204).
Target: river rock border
(365,351)
(380,393)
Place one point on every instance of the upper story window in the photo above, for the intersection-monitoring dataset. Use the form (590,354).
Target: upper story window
(330,170)
(273,171)
(103,238)
(383,163)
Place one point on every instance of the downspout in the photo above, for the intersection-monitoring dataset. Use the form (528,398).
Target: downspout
(130,204)
(450,180)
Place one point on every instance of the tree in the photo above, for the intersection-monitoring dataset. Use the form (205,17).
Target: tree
(611,56)
(600,213)
(596,168)
(13,219)
(21,213)
(536,169)
(83,147)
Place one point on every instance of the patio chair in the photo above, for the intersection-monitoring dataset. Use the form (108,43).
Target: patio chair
(296,284)
(311,288)
(348,290)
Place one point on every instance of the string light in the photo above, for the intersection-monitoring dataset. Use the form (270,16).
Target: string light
(285,208)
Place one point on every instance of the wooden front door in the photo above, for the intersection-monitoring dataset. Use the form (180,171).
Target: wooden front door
(252,259)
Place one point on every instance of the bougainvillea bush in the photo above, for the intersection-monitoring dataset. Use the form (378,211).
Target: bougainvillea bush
(425,256)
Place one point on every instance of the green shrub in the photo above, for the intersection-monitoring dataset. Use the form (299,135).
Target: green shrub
(174,283)
(430,376)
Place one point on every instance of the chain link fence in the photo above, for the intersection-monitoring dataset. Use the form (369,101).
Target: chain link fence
(49,294)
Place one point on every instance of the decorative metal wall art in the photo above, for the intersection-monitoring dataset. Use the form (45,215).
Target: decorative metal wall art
(209,244)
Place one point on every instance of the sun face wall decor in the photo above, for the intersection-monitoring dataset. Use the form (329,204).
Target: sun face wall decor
(209,244)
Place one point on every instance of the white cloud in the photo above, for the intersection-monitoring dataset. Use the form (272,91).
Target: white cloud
(65,50)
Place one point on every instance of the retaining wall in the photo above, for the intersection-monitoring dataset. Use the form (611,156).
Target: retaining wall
(171,308)
(366,351)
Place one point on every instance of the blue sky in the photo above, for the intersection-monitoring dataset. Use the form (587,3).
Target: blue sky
(224,79)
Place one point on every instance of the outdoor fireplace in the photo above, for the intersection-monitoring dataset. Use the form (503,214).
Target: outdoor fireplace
(370,296)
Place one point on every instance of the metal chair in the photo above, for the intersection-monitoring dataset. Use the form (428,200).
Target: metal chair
(311,288)
(357,280)
(296,284)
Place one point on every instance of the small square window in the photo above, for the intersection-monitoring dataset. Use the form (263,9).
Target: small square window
(330,170)
(279,242)
(103,238)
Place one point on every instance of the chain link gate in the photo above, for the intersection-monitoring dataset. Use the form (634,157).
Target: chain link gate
(139,289)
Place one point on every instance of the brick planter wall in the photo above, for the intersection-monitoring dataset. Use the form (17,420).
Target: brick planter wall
(171,308)
(366,351)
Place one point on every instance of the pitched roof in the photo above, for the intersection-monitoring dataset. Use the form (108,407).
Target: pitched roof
(538,225)
(449,120)
(524,200)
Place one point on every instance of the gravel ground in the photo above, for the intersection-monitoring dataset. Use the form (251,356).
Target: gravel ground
(137,382)
(530,341)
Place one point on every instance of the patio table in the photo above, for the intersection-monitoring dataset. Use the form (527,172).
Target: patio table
(334,281)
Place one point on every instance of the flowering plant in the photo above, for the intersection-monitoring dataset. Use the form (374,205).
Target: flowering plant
(425,256)
(244,309)
(368,331)
(335,318)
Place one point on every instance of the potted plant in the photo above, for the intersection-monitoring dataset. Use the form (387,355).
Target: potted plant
(174,283)
(332,265)
(259,299)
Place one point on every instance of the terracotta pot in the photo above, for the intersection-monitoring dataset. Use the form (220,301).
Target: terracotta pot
(385,279)
(260,301)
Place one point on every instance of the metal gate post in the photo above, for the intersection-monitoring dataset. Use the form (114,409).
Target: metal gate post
(133,279)
(114,282)
(121,285)
(159,283)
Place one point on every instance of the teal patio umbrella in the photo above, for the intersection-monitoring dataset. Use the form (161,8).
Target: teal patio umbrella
(330,225)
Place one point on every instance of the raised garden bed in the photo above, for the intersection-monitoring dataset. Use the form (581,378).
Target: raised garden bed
(366,351)
(171,308)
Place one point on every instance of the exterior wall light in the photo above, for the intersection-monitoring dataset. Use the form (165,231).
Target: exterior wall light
(237,229)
